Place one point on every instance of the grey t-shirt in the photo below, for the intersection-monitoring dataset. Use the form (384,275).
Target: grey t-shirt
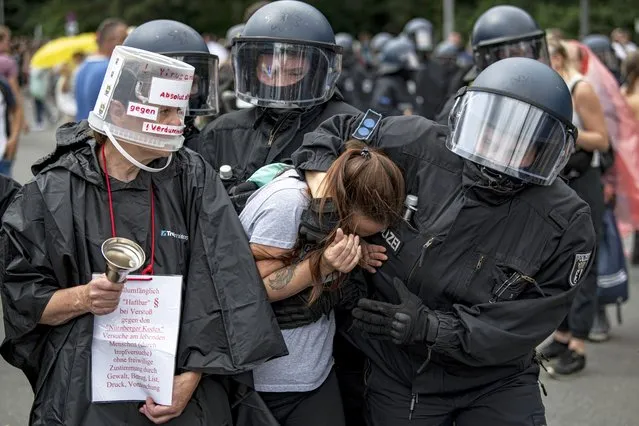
(272,217)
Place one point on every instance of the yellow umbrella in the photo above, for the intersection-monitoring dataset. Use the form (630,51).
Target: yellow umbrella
(61,50)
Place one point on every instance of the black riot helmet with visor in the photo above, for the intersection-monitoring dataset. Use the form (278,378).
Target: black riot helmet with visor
(286,57)
(516,119)
(506,32)
(179,41)
(420,32)
(398,55)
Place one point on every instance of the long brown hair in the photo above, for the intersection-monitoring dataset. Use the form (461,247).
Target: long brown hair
(361,181)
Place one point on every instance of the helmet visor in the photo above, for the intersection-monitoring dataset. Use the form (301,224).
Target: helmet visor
(284,75)
(204,92)
(533,48)
(510,136)
(423,39)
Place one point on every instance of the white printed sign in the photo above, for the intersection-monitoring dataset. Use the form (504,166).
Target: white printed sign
(142,111)
(162,129)
(134,347)
(171,93)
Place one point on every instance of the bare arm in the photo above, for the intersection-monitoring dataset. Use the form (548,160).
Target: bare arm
(16,128)
(286,281)
(99,297)
(65,305)
(19,113)
(594,136)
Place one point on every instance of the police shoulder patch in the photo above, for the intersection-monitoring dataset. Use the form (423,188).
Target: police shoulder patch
(579,267)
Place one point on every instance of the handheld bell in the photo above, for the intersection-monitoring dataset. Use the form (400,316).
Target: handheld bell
(122,256)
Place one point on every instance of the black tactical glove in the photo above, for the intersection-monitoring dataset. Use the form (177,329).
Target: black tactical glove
(408,323)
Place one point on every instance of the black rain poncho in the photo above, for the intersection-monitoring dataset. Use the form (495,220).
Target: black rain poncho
(51,239)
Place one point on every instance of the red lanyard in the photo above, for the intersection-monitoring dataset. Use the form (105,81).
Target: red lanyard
(149,269)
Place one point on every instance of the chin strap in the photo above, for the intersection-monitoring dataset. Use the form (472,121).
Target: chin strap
(130,158)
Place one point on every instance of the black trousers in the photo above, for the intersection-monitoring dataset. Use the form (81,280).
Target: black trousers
(514,401)
(320,407)
(582,313)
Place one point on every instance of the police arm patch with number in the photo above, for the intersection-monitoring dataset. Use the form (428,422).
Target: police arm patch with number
(579,267)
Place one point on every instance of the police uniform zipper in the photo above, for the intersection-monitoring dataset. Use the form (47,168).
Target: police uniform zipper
(413,401)
(420,261)
(273,134)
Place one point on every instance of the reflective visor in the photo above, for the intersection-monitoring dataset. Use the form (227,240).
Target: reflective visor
(510,136)
(284,75)
(204,92)
(533,48)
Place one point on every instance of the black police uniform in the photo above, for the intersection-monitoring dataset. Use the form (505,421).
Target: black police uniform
(494,267)
(489,264)
(394,91)
(248,139)
(391,95)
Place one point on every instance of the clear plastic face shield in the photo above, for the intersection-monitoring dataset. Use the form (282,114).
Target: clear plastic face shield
(423,39)
(143,101)
(533,47)
(278,74)
(510,136)
(204,98)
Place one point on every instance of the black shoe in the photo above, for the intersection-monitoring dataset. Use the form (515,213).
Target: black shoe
(600,327)
(570,362)
(553,349)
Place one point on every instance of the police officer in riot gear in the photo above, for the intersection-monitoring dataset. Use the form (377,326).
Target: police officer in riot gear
(501,32)
(394,90)
(602,47)
(179,41)
(352,80)
(489,263)
(286,64)
(431,78)
(377,43)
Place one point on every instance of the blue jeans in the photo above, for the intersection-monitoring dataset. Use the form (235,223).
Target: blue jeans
(5,167)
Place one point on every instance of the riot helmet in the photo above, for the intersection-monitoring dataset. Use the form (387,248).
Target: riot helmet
(347,43)
(420,32)
(231,33)
(516,119)
(179,41)
(602,47)
(446,53)
(377,44)
(397,55)
(286,57)
(505,32)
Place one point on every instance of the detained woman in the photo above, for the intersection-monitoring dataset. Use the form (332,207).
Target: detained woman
(123,173)
(364,193)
